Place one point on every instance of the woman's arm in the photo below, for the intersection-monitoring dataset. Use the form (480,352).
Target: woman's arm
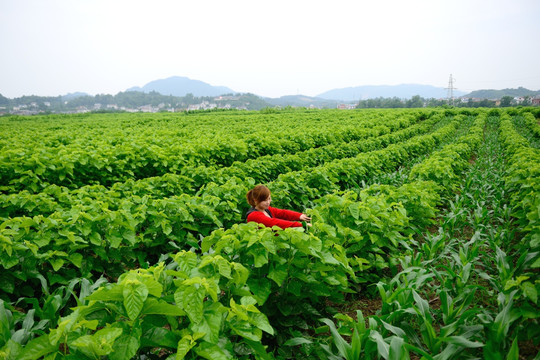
(285,214)
(259,217)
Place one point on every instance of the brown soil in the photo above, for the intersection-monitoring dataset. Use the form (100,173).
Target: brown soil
(527,350)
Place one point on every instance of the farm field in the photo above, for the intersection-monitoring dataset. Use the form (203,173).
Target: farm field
(123,236)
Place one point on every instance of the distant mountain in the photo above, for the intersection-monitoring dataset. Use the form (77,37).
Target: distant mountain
(404,91)
(181,86)
(301,100)
(497,94)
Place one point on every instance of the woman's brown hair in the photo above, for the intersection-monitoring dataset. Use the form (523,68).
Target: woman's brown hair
(258,194)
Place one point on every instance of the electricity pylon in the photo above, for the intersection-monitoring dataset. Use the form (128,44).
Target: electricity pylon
(451,89)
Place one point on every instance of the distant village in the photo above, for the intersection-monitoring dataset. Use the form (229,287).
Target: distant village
(34,107)
(227,102)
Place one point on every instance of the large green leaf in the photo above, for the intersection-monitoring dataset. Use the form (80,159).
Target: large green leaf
(159,337)
(261,289)
(210,324)
(125,347)
(190,299)
(37,348)
(134,294)
(278,273)
(211,351)
(111,293)
(161,307)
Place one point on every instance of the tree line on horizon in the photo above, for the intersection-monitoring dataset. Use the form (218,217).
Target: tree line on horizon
(136,99)
(418,101)
(128,99)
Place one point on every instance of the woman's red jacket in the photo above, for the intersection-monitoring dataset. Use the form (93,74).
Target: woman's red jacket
(280,217)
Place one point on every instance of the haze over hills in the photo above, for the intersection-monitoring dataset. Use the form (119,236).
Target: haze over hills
(403,91)
(177,86)
(181,86)
(497,94)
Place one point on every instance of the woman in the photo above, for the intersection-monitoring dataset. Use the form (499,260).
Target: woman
(261,212)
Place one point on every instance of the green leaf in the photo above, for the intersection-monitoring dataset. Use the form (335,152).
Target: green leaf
(7,283)
(261,321)
(184,346)
(134,294)
(11,351)
(5,323)
(530,291)
(76,259)
(107,335)
(125,347)
(462,341)
(166,227)
(382,346)
(190,299)
(159,337)
(186,260)
(343,347)
(260,350)
(395,330)
(159,307)
(212,352)
(396,348)
(224,268)
(130,236)
(37,348)
(513,354)
(56,263)
(278,273)
(210,325)
(297,341)
(240,274)
(112,293)
(245,330)
(95,238)
(99,344)
(261,289)
(260,257)
(153,286)
(354,209)
(422,304)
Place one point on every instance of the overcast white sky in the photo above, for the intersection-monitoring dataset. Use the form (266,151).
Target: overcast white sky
(270,48)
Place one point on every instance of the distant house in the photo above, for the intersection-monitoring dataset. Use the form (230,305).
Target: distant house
(536,100)
(346,106)
(227,98)
(148,108)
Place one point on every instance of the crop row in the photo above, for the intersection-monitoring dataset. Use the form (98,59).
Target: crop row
(406,321)
(298,189)
(214,306)
(121,157)
(488,304)
(262,169)
(523,183)
(91,238)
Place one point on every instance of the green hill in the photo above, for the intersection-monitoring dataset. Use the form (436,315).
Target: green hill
(497,94)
